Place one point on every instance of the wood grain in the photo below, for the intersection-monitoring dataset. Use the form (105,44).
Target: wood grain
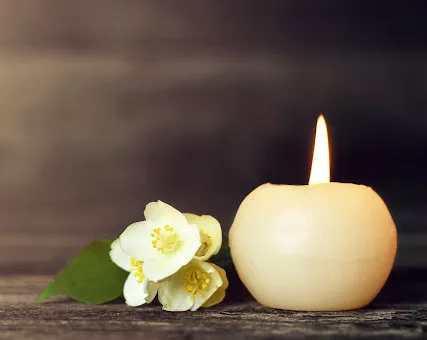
(401,310)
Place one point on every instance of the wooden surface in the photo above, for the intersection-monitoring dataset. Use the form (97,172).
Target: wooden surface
(400,310)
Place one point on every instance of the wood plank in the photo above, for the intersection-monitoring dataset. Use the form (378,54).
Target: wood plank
(21,317)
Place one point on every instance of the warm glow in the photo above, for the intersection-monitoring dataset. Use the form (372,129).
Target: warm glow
(320,165)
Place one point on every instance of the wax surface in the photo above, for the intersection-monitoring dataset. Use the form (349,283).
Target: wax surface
(321,247)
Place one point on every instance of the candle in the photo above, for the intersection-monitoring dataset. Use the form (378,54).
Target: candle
(320,247)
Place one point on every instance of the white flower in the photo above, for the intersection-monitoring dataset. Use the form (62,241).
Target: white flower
(219,295)
(137,289)
(195,285)
(165,241)
(210,235)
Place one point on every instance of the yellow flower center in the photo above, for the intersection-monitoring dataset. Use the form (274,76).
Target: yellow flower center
(165,240)
(196,281)
(136,269)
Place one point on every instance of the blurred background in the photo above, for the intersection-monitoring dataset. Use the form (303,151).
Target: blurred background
(107,105)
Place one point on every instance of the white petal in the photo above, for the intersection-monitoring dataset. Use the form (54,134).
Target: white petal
(162,213)
(191,218)
(136,240)
(222,273)
(118,256)
(135,293)
(210,227)
(219,295)
(172,295)
(189,236)
(160,266)
(215,283)
(152,291)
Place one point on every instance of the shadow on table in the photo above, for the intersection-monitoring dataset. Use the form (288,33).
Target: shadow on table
(404,286)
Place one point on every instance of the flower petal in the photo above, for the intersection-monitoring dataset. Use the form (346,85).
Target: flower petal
(160,266)
(215,283)
(223,275)
(162,213)
(219,295)
(211,235)
(119,257)
(134,292)
(152,291)
(191,218)
(136,240)
(172,295)
(215,299)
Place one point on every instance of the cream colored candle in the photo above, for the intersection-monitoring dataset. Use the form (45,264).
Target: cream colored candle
(320,247)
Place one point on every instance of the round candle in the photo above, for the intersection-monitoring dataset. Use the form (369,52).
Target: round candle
(320,247)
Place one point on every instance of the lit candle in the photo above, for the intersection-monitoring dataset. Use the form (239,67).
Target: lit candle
(320,247)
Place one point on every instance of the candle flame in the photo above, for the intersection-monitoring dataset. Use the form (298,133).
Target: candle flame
(320,164)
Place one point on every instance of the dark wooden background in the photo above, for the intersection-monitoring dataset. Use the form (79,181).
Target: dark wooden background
(106,105)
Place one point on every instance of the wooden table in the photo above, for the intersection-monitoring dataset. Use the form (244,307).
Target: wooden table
(400,310)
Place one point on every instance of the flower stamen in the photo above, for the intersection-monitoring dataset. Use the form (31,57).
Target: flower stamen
(136,269)
(196,281)
(165,240)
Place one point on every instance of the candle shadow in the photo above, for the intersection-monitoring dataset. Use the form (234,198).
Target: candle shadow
(404,286)
(236,292)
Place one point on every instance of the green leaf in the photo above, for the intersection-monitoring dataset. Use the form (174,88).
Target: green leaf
(91,277)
